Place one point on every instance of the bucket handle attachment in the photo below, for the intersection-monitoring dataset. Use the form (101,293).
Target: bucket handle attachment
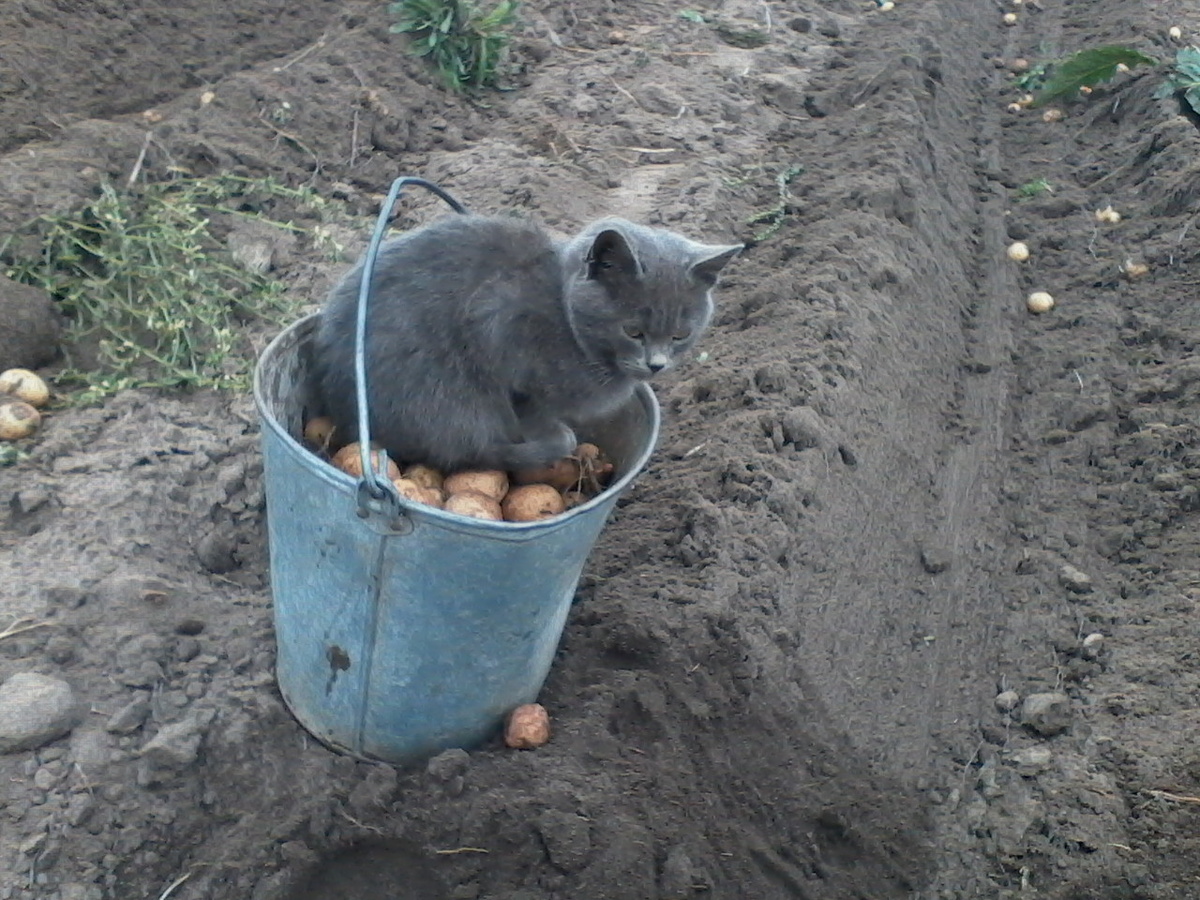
(376,495)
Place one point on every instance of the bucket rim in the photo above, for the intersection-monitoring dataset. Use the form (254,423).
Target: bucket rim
(515,530)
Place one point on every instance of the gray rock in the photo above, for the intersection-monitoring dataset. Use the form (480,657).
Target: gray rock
(1074,580)
(1047,714)
(1031,761)
(567,837)
(131,716)
(804,428)
(935,559)
(32,326)
(449,764)
(681,879)
(1093,645)
(174,748)
(35,710)
(1006,701)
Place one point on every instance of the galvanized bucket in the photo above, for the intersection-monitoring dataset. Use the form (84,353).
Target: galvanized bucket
(403,630)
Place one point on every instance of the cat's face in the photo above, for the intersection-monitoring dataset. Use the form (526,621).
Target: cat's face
(643,297)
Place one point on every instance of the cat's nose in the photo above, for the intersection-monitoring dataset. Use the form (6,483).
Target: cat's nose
(656,362)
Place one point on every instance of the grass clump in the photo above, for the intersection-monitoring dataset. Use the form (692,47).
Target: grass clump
(772,218)
(1034,188)
(151,294)
(463,41)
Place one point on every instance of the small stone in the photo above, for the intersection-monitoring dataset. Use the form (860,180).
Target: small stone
(935,559)
(804,428)
(1006,701)
(189,626)
(1093,644)
(567,839)
(217,552)
(449,764)
(130,717)
(43,779)
(145,675)
(33,844)
(80,808)
(186,649)
(1031,761)
(1074,580)
(1047,714)
(35,710)
(681,879)
(60,650)
(175,747)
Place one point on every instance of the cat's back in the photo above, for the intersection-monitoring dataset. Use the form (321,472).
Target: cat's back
(459,267)
(452,254)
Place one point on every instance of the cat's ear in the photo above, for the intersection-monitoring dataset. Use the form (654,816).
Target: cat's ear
(612,254)
(712,260)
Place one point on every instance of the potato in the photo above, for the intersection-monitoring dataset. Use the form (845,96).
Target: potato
(25,386)
(418,493)
(489,482)
(528,727)
(349,460)
(319,432)
(475,505)
(18,420)
(531,502)
(562,475)
(572,499)
(426,476)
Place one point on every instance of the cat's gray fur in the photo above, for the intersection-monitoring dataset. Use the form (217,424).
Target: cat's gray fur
(489,342)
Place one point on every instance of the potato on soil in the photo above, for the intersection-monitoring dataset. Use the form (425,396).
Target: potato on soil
(25,386)
(349,460)
(489,482)
(475,505)
(528,727)
(531,502)
(18,420)
(418,493)
(319,432)
(426,476)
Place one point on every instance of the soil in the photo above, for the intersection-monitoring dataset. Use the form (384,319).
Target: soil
(885,495)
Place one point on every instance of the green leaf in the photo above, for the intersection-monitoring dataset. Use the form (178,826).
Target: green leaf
(1087,68)
(1192,96)
(1165,90)
(1187,61)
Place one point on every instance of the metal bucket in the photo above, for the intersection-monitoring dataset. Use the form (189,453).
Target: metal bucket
(400,637)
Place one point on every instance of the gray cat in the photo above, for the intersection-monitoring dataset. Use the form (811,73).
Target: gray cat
(489,342)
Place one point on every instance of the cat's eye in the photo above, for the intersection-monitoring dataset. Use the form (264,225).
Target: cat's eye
(632,331)
(681,336)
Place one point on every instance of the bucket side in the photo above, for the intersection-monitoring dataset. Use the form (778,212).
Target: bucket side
(467,629)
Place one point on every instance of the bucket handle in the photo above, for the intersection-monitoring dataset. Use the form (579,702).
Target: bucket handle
(376,494)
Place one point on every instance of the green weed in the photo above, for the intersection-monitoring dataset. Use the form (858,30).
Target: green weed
(1035,188)
(150,292)
(463,41)
(773,217)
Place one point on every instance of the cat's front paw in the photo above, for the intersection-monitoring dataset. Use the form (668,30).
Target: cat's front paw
(547,447)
